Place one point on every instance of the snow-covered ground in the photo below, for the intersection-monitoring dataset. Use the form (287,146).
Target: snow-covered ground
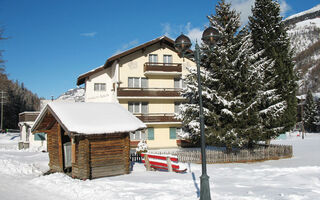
(297,178)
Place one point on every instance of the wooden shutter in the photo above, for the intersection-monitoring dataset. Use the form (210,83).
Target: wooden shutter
(173,133)
(150,133)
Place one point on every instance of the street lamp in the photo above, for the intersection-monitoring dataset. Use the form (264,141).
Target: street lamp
(183,44)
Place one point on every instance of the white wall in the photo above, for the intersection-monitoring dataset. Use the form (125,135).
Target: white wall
(107,76)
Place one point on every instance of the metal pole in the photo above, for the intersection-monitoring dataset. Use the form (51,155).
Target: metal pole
(2,99)
(204,178)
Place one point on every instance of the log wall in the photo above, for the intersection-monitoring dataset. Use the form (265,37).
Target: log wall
(54,149)
(101,155)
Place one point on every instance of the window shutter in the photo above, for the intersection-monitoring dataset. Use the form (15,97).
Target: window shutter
(173,133)
(150,133)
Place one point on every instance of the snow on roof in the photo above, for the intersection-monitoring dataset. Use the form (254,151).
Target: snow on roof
(101,66)
(314,9)
(93,118)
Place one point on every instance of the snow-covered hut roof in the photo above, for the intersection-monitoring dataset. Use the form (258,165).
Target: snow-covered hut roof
(91,118)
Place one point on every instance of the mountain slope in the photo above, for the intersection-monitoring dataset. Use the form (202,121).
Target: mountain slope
(73,95)
(304,32)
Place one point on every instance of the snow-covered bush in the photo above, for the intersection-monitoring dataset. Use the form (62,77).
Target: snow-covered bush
(142,146)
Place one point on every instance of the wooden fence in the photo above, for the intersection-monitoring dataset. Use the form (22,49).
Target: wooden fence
(135,157)
(271,152)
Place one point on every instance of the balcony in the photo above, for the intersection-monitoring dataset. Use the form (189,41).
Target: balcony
(157,117)
(125,92)
(172,69)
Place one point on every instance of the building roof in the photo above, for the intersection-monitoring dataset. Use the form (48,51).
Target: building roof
(89,118)
(163,39)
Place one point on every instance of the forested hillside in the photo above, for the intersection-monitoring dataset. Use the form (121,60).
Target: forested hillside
(16,99)
(15,96)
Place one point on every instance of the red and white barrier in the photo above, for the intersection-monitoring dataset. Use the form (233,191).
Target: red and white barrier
(162,162)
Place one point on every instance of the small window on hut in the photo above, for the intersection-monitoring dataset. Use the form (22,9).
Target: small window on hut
(99,87)
(39,136)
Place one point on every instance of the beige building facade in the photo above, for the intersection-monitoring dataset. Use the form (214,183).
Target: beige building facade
(147,81)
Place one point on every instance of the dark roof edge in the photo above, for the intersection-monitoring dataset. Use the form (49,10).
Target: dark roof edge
(108,63)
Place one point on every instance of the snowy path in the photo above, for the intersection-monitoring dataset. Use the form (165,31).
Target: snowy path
(288,179)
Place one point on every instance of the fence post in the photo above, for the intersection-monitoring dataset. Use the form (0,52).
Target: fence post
(146,159)
(169,164)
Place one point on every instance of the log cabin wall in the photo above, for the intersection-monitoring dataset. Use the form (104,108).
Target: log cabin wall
(109,155)
(80,160)
(54,149)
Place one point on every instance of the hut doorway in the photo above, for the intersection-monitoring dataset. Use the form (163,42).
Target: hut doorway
(66,151)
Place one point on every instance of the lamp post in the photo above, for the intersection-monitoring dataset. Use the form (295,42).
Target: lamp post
(183,44)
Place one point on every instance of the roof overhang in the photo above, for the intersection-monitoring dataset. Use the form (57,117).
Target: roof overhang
(162,40)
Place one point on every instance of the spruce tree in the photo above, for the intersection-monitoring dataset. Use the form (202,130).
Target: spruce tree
(310,113)
(269,34)
(230,75)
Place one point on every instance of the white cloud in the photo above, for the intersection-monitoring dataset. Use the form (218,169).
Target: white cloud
(127,46)
(166,29)
(195,34)
(90,34)
(244,7)
(173,31)
(284,7)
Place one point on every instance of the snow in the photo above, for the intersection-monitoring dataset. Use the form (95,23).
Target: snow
(297,178)
(93,118)
(314,9)
(73,95)
(308,22)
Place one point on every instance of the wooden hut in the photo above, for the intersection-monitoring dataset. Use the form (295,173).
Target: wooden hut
(89,139)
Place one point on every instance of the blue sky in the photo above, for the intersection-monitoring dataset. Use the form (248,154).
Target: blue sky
(52,42)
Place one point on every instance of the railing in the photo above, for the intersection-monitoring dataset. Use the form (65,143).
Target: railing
(157,117)
(136,157)
(271,152)
(163,67)
(156,92)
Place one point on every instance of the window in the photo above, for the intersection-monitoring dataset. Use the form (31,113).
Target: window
(138,135)
(99,87)
(136,82)
(167,59)
(138,107)
(179,83)
(153,58)
(40,136)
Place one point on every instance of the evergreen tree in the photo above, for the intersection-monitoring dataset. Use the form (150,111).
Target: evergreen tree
(230,75)
(279,107)
(310,113)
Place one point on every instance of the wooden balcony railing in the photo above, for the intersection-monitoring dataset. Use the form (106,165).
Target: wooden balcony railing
(162,67)
(154,92)
(157,117)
